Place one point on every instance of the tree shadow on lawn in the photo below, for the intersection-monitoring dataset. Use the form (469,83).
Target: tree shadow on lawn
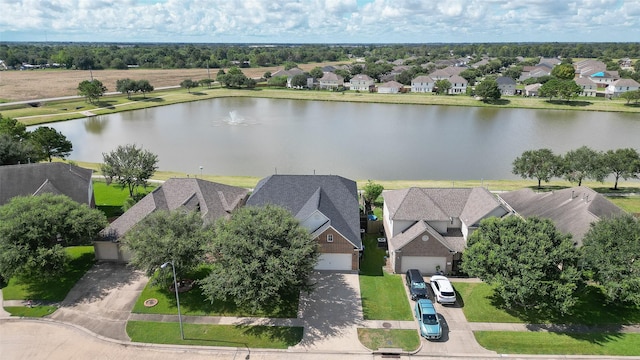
(150,99)
(290,335)
(497,102)
(573,103)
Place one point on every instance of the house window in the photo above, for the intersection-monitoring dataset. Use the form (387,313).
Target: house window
(329,237)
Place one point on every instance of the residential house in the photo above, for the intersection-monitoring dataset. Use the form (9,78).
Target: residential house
(55,177)
(290,74)
(330,81)
(422,84)
(362,82)
(589,88)
(427,228)
(586,67)
(390,87)
(458,84)
(326,205)
(210,199)
(621,86)
(604,78)
(537,71)
(532,90)
(506,85)
(572,210)
(551,62)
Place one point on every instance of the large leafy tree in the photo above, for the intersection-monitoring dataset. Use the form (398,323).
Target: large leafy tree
(583,163)
(126,86)
(188,84)
(262,257)
(299,81)
(163,236)
(50,142)
(622,163)
(130,166)
(371,192)
(529,262)
(35,229)
(144,86)
(91,90)
(541,164)
(488,90)
(564,72)
(610,251)
(13,128)
(442,86)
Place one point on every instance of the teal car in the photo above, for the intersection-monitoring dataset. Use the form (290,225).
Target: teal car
(428,319)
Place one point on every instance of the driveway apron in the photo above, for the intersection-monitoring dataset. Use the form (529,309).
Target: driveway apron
(103,299)
(331,314)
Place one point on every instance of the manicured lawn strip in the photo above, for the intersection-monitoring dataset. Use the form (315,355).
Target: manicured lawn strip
(193,302)
(629,203)
(273,337)
(111,198)
(407,340)
(52,289)
(35,312)
(512,342)
(591,308)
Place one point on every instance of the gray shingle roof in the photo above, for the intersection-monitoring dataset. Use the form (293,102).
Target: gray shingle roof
(505,80)
(572,210)
(57,178)
(334,196)
(213,200)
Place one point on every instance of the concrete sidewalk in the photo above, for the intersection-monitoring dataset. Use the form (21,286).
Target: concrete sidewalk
(559,328)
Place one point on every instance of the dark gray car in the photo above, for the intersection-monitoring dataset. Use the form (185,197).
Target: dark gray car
(416,285)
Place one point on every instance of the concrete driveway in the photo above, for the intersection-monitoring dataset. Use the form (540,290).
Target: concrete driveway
(332,314)
(103,299)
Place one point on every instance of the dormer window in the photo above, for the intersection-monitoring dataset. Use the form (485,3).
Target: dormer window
(329,237)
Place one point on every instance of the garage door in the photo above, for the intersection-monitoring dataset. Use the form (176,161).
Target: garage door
(426,264)
(334,262)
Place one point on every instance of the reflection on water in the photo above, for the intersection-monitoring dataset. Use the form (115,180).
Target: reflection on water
(96,124)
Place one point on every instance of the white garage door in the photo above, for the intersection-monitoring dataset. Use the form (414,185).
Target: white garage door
(426,264)
(334,262)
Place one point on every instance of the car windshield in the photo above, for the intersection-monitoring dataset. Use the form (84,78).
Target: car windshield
(429,319)
(419,285)
(448,294)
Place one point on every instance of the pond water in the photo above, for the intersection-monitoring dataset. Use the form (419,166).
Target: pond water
(259,137)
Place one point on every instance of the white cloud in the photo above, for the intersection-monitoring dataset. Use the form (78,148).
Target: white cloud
(321,20)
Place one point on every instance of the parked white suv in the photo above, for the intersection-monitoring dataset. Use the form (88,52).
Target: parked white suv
(442,290)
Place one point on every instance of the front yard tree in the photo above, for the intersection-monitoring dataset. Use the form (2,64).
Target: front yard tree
(442,86)
(261,258)
(610,250)
(371,192)
(126,86)
(622,163)
(568,89)
(91,90)
(316,72)
(488,90)
(35,229)
(583,163)
(144,86)
(529,262)
(299,81)
(163,236)
(540,164)
(550,89)
(188,84)
(50,142)
(564,72)
(130,166)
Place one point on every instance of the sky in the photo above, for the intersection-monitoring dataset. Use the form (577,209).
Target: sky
(320,21)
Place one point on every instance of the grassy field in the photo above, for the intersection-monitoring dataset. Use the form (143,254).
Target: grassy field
(407,340)
(505,342)
(481,306)
(272,337)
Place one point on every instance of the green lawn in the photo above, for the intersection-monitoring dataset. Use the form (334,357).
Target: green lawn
(36,311)
(630,204)
(52,289)
(110,198)
(383,294)
(274,337)
(407,340)
(511,342)
(193,302)
(591,309)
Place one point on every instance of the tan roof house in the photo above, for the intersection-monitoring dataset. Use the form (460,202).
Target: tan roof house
(458,84)
(532,90)
(589,88)
(390,87)
(621,86)
(422,84)
(212,200)
(427,228)
(330,81)
(361,82)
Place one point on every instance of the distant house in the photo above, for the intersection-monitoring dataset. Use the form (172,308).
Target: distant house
(361,82)
(586,67)
(330,81)
(506,85)
(290,74)
(604,78)
(390,87)
(427,228)
(422,84)
(621,86)
(537,71)
(56,178)
(572,210)
(532,90)
(458,84)
(210,199)
(326,205)
(589,88)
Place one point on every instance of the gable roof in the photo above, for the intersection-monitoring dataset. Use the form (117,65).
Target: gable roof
(423,79)
(505,80)
(329,76)
(391,84)
(212,199)
(470,205)
(572,210)
(361,77)
(626,82)
(56,177)
(334,196)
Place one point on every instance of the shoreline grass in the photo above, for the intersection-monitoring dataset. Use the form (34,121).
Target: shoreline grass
(72,109)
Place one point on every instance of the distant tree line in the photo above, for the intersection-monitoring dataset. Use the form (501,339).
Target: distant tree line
(172,56)
(578,165)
